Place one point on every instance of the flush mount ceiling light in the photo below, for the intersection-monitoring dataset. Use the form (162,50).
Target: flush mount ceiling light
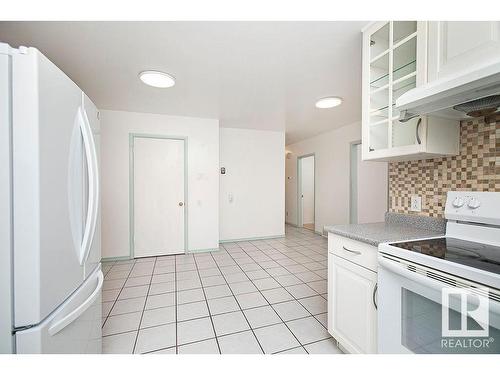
(157,79)
(328,102)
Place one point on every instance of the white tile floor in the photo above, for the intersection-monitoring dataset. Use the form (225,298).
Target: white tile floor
(265,296)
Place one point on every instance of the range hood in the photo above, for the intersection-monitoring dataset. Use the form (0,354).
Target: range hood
(474,93)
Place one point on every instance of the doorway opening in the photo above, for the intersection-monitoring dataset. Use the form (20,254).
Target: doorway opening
(306,191)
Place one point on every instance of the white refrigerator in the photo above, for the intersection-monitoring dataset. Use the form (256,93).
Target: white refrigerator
(50,272)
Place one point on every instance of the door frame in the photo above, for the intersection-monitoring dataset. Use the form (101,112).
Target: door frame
(300,216)
(132,137)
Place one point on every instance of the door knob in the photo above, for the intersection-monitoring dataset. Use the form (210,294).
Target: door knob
(181,204)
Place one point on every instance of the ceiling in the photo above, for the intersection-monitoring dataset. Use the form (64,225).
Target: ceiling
(260,75)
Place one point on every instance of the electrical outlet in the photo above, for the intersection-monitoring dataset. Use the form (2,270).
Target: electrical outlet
(416,203)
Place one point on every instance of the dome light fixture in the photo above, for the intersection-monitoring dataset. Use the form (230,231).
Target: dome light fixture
(328,102)
(157,79)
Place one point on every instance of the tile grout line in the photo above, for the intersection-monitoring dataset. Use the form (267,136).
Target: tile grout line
(295,299)
(144,308)
(216,298)
(312,260)
(265,296)
(237,302)
(226,334)
(256,258)
(247,330)
(175,305)
(320,294)
(114,302)
(208,306)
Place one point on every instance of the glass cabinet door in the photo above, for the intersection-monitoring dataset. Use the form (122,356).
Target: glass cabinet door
(404,78)
(393,71)
(379,88)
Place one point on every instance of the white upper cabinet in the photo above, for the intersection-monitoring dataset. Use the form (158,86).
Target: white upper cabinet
(395,61)
(456,47)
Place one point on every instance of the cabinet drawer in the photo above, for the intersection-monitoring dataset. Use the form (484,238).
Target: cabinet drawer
(357,252)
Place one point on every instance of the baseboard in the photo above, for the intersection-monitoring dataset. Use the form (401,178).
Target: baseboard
(252,239)
(201,250)
(127,257)
(114,259)
(291,224)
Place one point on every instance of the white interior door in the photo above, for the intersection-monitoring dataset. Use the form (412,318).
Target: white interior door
(307,189)
(306,192)
(159,202)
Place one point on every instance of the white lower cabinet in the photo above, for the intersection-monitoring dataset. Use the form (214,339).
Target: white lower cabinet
(352,288)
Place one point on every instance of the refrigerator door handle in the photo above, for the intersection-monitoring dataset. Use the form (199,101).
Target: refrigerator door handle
(73,315)
(93,180)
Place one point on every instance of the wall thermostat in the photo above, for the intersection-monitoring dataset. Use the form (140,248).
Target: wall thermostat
(223,170)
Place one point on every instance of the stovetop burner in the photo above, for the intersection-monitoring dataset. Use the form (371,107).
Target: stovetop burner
(472,254)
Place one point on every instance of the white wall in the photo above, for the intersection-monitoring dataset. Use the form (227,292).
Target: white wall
(332,158)
(307,177)
(372,189)
(203,176)
(255,171)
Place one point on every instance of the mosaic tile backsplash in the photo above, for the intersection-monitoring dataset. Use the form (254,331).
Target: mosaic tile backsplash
(477,167)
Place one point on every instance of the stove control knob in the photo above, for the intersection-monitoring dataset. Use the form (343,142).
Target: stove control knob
(458,202)
(474,203)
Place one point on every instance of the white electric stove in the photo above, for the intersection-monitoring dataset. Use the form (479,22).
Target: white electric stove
(415,281)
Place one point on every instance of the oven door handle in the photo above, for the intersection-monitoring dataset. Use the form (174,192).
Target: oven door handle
(392,266)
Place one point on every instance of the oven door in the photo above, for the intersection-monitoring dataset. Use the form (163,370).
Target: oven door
(410,312)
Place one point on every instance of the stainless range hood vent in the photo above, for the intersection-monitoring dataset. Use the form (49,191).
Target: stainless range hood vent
(475,93)
(480,107)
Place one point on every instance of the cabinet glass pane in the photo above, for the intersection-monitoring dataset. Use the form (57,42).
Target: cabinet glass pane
(379,136)
(402,29)
(379,72)
(404,59)
(379,106)
(379,41)
(400,87)
(404,133)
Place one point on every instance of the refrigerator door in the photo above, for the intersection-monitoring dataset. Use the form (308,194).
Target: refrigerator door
(75,327)
(6,308)
(50,141)
(94,255)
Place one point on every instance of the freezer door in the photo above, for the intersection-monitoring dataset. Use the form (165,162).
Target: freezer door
(94,256)
(49,148)
(75,327)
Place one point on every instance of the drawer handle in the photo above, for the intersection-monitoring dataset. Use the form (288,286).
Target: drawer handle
(351,251)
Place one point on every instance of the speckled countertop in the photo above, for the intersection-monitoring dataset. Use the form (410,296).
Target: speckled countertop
(397,227)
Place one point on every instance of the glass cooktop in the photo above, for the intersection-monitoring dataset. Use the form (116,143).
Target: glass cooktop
(472,254)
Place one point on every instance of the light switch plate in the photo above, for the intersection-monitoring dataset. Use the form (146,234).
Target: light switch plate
(416,203)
